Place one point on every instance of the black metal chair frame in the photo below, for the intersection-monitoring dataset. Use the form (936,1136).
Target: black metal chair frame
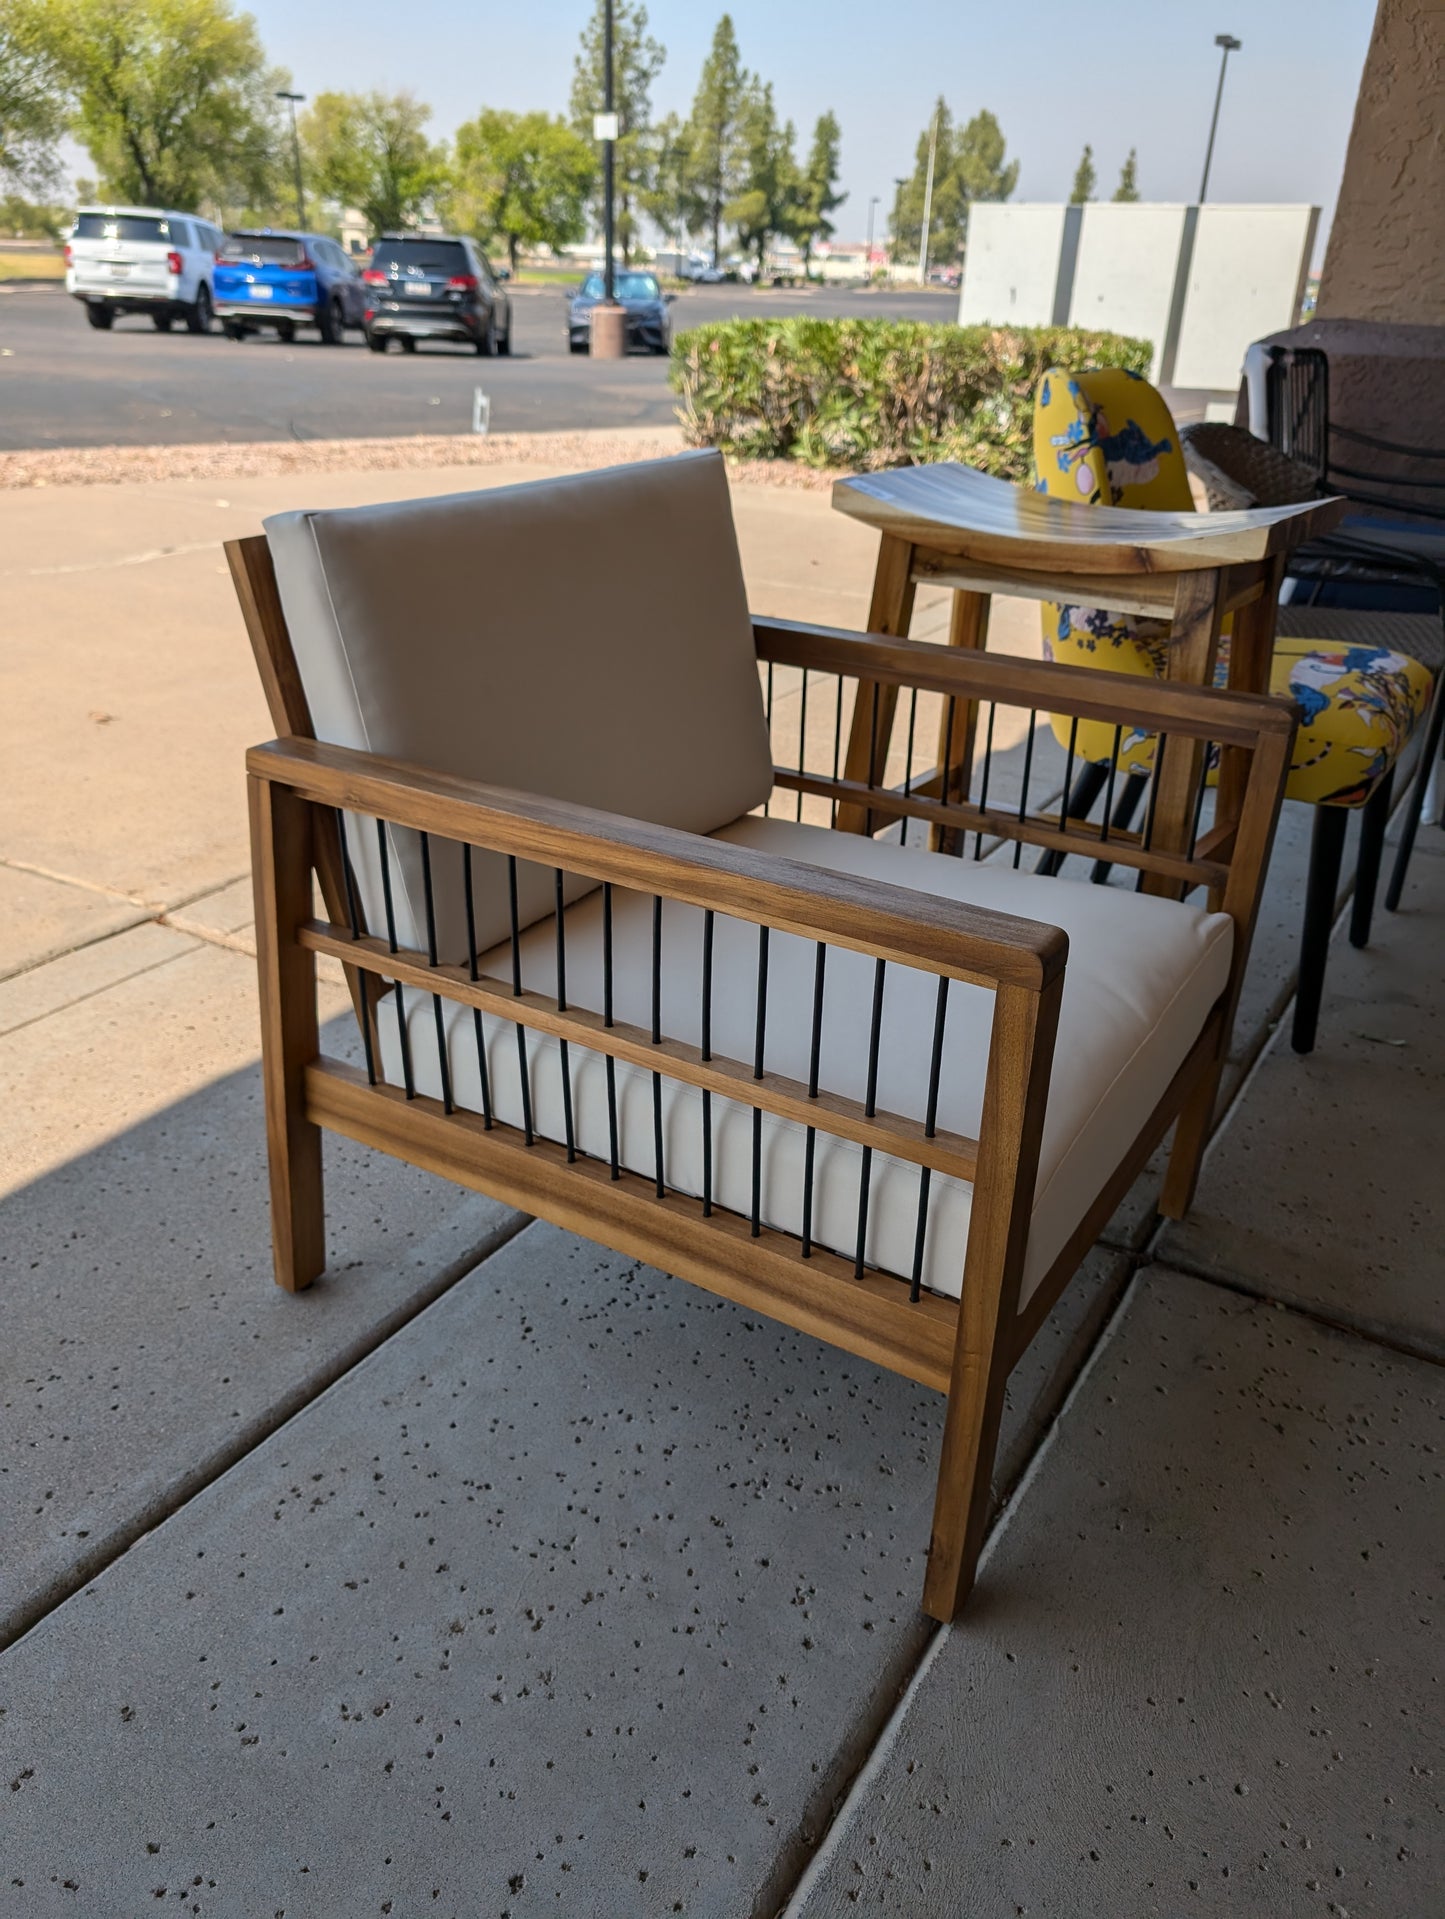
(1297,414)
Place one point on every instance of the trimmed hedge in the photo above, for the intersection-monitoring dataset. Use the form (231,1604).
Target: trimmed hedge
(866,394)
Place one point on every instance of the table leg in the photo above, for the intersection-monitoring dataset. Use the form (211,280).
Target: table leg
(890,612)
(1193,647)
(1251,654)
(957,725)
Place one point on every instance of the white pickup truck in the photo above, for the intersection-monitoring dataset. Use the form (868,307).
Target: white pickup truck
(142,260)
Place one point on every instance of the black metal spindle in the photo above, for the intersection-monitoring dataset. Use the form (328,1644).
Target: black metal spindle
(1028,768)
(1068,774)
(563,1058)
(759,1040)
(443,1063)
(607,1021)
(521,1032)
(660,1170)
(908,760)
(403,1036)
(802,738)
(870,1107)
(1109,786)
(814,1055)
(707,930)
(925,1175)
(944,781)
(984,778)
(837,745)
(473,974)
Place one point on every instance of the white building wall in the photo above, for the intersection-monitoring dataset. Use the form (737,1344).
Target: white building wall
(1125,271)
(1011,267)
(1246,279)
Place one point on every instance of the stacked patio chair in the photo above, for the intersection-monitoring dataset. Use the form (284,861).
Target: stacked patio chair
(1393,537)
(1107,437)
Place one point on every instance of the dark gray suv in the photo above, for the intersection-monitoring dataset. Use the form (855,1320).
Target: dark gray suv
(424,288)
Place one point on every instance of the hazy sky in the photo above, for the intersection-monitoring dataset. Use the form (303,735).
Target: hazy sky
(1134,73)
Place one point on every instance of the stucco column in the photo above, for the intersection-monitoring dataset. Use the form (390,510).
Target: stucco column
(1386,255)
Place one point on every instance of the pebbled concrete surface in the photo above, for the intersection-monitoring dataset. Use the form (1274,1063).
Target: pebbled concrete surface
(1200,1674)
(145,1344)
(1323,1190)
(583,1593)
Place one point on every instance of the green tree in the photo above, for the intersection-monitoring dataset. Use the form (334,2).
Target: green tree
(32,106)
(1128,187)
(769,183)
(978,162)
(669,196)
(172,98)
(370,151)
(818,194)
(969,165)
(523,178)
(636,62)
(1085,179)
(715,134)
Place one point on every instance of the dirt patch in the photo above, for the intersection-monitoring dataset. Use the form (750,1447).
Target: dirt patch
(108,465)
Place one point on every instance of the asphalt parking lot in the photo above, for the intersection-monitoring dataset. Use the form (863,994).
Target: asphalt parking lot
(62,384)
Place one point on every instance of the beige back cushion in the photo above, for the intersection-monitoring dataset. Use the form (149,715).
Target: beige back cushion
(586,638)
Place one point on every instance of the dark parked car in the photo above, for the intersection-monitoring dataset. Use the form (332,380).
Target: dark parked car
(284,281)
(649,324)
(420,288)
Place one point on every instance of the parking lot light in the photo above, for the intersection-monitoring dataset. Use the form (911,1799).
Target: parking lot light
(281,94)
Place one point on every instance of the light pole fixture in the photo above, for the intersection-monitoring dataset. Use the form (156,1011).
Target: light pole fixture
(609,321)
(928,201)
(296,155)
(1230,45)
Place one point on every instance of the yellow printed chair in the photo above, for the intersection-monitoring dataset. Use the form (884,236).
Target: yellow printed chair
(1106,438)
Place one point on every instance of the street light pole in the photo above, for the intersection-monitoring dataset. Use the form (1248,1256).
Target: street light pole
(1230,45)
(609,321)
(868,255)
(928,201)
(296,156)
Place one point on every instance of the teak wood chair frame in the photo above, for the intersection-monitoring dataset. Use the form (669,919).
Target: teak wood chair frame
(301,792)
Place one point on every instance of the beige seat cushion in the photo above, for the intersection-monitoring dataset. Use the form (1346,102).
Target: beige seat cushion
(1143,975)
(587,638)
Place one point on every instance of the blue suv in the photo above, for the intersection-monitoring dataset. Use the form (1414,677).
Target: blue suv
(284,281)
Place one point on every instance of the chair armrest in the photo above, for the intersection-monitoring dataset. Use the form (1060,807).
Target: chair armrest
(1169,706)
(896,923)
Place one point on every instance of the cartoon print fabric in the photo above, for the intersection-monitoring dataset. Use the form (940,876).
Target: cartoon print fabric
(1106,437)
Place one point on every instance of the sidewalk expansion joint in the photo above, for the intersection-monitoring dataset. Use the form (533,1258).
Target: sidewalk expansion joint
(173,1500)
(1251,1289)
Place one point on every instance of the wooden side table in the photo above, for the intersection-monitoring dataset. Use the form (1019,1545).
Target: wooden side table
(949,525)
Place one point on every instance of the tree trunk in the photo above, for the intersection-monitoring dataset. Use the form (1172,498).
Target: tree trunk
(512,253)
(717,232)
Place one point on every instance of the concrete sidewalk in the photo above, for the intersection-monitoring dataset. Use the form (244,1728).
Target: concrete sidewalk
(495,1575)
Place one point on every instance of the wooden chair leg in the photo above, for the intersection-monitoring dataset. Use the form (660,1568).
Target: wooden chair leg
(281,854)
(1015,1093)
(1191,1136)
(1429,759)
(1327,847)
(1375,819)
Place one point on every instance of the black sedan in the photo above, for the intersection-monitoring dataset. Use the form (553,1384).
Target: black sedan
(649,324)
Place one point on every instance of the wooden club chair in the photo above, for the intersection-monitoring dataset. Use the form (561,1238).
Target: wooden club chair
(1107,437)
(525,751)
